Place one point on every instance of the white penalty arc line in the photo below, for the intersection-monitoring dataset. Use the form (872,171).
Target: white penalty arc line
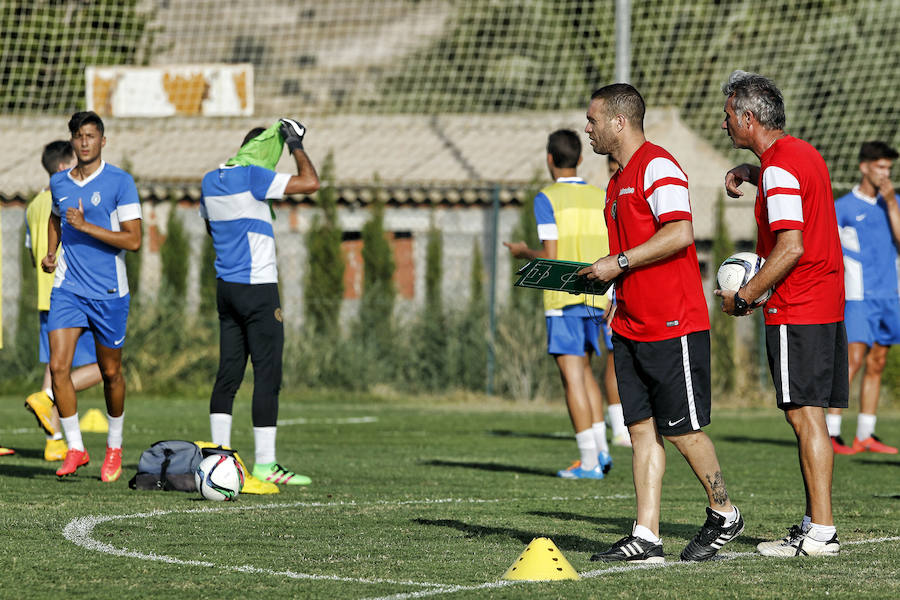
(80,531)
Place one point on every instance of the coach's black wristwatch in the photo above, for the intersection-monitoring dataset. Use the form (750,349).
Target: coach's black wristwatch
(623,261)
(740,305)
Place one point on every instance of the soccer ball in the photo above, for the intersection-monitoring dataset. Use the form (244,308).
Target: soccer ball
(737,270)
(219,477)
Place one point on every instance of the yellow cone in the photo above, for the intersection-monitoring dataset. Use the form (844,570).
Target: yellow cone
(93,421)
(541,561)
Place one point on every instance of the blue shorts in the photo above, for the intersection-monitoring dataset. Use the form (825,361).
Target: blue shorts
(575,334)
(873,321)
(85,350)
(106,318)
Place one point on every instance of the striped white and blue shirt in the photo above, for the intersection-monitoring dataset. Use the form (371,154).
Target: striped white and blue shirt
(234,204)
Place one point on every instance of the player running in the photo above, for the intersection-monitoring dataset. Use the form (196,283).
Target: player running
(96,217)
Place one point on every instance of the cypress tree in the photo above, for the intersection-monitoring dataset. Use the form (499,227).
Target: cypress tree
(378,294)
(323,288)
(174,258)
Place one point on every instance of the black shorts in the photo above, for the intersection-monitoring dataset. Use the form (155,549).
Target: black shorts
(809,364)
(667,380)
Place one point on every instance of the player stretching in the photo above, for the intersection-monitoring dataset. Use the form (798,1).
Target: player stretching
(240,223)
(96,216)
(869,219)
(570,223)
(660,327)
(805,337)
(57,156)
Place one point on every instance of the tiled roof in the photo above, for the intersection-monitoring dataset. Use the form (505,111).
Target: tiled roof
(406,159)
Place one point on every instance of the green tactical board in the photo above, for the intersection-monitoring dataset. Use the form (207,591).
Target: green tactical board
(560,275)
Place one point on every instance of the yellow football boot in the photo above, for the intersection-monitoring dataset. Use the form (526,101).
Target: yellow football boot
(40,404)
(55,450)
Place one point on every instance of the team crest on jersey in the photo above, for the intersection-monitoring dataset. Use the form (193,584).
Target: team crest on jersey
(95,199)
(612,211)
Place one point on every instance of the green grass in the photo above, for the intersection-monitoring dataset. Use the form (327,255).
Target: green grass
(430,490)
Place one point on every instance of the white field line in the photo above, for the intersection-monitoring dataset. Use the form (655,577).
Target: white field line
(328,421)
(80,531)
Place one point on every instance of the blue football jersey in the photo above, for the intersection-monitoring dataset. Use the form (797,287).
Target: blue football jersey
(870,255)
(234,204)
(86,266)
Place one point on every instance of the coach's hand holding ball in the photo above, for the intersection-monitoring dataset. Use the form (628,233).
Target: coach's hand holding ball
(292,132)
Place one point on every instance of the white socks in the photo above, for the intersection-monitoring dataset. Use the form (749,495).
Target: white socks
(114,436)
(587,448)
(73,432)
(821,533)
(865,426)
(730,517)
(645,534)
(220,429)
(834,424)
(599,430)
(804,524)
(264,437)
(617,420)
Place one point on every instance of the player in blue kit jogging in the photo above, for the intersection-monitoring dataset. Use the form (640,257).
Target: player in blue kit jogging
(869,222)
(234,205)
(96,215)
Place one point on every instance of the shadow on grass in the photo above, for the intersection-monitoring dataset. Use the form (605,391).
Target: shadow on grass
(30,453)
(484,466)
(572,543)
(531,435)
(881,463)
(741,439)
(27,472)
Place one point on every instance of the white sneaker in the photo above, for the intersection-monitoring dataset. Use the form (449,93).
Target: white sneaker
(798,543)
(623,440)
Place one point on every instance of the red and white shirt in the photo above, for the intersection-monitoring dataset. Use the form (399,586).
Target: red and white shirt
(665,299)
(795,193)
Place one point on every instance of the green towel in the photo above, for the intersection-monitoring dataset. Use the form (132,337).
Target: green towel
(263,151)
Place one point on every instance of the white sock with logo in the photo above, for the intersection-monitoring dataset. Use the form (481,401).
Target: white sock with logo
(220,429)
(587,448)
(73,432)
(865,426)
(834,424)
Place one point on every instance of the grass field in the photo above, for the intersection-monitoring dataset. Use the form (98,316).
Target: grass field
(424,497)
